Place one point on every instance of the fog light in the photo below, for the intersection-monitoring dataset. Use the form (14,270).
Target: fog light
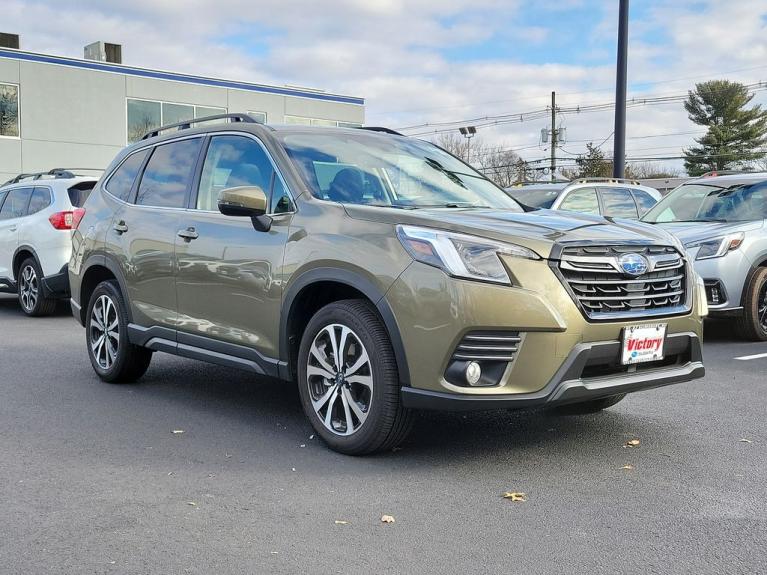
(473,373)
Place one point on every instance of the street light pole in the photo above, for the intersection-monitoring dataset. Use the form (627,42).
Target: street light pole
(468,132)
(619,143)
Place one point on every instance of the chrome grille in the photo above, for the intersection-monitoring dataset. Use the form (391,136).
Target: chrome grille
(604,290)
(487,346)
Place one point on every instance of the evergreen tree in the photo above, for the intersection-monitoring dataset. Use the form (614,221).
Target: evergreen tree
(736,134)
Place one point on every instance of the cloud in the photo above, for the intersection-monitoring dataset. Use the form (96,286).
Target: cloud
(425,61)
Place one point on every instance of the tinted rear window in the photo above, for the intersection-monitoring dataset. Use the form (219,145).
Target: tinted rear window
(120,183)
(168,174)
(79,193)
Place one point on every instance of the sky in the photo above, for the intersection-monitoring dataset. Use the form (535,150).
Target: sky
(430,62)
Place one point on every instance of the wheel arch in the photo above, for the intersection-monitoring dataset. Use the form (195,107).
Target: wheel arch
(99,268)
(22,253)
(301,301)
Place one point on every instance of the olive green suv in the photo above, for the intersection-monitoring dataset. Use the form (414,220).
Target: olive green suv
(380,273)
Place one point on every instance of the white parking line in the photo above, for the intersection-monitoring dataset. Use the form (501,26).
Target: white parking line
(747,357)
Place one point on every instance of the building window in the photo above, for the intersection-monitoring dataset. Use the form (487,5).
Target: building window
(202,111)
(143,116)
(9,110)
(147,115)
(299,120)
(259,117)
(175,113)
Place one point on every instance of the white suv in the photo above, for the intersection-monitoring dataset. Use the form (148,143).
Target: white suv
(37,214)
(608,197)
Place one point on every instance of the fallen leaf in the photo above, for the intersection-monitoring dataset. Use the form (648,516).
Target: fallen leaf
(632,443)
(387,519)
(627,467)
(192,503)
(302,445)
(744,440)
(311,437)
(178,431)
(515,496)
(341,522)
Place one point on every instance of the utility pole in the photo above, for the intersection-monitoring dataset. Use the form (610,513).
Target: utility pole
(619,145)
(553,134)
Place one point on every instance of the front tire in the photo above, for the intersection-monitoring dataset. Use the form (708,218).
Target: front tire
(752,325)
(31,297)
(348,380)
(113,357)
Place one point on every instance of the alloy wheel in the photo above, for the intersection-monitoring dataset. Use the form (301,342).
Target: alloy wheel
(340,379)
(104,332)
(29,288)
(762,307)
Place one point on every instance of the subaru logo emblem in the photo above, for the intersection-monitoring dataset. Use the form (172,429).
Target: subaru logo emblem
(633,264)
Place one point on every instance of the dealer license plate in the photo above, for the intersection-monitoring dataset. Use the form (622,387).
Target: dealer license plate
(643,343)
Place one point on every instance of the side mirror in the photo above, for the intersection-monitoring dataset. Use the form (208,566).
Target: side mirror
(247,201)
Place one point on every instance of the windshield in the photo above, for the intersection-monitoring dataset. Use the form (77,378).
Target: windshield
(697,202)
(535,197)
(389,171)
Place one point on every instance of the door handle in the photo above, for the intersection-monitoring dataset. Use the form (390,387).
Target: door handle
(13,228)
(120,227)
(188,234)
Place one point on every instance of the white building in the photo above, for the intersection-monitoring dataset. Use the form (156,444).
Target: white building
(60,112)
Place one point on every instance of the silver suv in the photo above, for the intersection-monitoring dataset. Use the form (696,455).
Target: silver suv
(721,221)
(607,197)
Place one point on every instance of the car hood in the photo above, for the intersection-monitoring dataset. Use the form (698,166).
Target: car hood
(538,230)
(691,232)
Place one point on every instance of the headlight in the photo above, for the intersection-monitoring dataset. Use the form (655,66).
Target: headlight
(461,255)
(717,247)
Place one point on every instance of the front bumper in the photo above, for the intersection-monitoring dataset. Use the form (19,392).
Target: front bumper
(561,357)
(572,383)
(730,273)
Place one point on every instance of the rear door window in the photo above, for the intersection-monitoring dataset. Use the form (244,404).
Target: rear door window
(583,200)
(168,175)
(618,203)
(644,200)
(120,183)
(15,204)
(41,199)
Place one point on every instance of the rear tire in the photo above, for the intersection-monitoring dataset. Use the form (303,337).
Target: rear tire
(351,397)
(752,325)
(113,357)
(586,407)
(30,288)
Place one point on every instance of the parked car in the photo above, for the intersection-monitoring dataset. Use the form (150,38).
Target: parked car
(721,220)
(379,272)
(608,197)
(37,212)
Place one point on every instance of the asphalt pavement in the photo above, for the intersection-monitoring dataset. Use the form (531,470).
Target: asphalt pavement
(207,470)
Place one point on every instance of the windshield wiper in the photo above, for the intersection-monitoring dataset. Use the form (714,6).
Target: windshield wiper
(715,220)
(440,168)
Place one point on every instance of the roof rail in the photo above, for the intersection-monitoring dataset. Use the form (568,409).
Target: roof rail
(380,129)
(186,124)
(57,173)
(588,180)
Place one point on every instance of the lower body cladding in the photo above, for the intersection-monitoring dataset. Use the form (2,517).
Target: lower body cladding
(475,346)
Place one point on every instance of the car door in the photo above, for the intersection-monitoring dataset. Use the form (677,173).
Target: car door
(229,281)
(618,203)
(143,232)
(11,213)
